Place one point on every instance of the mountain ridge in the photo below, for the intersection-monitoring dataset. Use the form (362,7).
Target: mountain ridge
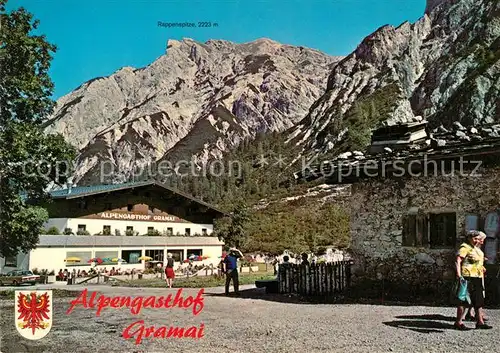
(140,116)
(398,74)
(200,100)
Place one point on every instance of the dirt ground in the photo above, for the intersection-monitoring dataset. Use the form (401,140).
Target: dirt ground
(254,322)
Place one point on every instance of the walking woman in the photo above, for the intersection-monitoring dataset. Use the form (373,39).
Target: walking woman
(470,316)
(469,266)
(169,270)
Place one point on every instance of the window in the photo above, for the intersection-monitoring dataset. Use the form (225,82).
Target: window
(130,207)
(151,230)
(131,256)
(130,228)
(177,255)
(188,232)
(11,261)
(82,227)
(170,231)
(156,255)
(107,206)
(204,231)
(80,258)
(195,252)
(106,230)
(107,256)
(443,230)
(436,230)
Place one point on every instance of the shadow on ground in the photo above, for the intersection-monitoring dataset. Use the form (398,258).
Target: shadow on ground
(423,323)
(260,294)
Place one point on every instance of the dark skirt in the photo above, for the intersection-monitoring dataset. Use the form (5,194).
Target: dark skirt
(475,289)
(169,272)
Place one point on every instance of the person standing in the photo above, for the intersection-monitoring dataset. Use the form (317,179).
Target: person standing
(470,316)
(231,269)
(169,270)
(305,260)
(470,267)
(285,264)
(275,265)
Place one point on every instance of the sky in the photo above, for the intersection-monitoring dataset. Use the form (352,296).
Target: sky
(96,38)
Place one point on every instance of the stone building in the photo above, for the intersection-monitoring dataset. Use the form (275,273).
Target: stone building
(410,208)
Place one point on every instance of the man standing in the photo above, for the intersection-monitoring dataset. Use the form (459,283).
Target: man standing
(231,269)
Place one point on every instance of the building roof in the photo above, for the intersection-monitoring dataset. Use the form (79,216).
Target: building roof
(79,191)
(84,191)
(117,241)
(442,145)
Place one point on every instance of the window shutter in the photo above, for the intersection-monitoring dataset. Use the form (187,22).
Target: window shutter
(451,229)
(422,235)
(433,239)
(409,230)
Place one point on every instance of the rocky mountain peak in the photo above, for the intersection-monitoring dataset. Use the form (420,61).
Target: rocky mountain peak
(445,68)
(432,4)
(195,101)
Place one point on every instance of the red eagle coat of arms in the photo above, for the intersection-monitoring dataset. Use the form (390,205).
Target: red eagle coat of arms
(33,313)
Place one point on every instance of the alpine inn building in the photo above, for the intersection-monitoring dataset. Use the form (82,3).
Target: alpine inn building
(120,224)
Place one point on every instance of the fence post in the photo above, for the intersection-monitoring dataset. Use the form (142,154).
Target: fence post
(325,279)
(321,290)
(348,273)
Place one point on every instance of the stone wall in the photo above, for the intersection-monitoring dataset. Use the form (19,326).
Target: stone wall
(376,223)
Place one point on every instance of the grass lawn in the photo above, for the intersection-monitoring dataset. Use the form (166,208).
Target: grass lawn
(198,282)
(56,293)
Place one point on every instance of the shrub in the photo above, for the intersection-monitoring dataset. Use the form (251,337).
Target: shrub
(154,233)
(68,231)
(130,233)
(52,231)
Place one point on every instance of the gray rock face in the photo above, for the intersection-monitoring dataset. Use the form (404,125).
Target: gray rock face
(197,100)
(201,99)
(444,68)
(432,4)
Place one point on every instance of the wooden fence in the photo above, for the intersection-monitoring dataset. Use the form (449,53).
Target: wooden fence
(324,279)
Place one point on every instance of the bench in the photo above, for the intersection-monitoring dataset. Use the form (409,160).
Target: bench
(271,285)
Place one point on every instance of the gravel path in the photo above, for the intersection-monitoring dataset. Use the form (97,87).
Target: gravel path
(253,323)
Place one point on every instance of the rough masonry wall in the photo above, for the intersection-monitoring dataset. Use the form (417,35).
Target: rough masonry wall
(376,222)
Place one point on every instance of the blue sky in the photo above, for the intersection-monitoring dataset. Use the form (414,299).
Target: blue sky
(96,38)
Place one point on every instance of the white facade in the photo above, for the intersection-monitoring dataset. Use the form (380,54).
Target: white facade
(53,258)
(96,226)
(52,251)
